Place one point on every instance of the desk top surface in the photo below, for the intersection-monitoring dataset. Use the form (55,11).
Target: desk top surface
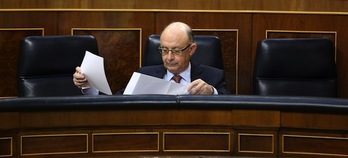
(308,104)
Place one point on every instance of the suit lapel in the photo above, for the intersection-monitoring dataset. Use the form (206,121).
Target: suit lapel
(160,72)
(196,72)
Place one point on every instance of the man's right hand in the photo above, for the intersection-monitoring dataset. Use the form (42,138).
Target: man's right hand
(79,79)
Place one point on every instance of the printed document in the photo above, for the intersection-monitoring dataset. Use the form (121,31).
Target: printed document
(93,68)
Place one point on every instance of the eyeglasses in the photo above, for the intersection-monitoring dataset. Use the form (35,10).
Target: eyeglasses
(175,51)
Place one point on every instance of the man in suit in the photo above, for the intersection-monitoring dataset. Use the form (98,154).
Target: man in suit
(177,47)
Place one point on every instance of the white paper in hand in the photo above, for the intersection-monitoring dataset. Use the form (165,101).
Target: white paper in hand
(93,68)
(145,84)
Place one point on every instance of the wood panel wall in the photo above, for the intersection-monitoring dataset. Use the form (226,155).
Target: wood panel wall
(121,30)
(260,5)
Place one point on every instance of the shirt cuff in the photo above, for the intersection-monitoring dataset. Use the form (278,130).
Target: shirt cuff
(90,91)
(215,91)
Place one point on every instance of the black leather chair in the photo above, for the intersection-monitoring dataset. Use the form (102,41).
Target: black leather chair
(295,67)
(208,51)
(47,63)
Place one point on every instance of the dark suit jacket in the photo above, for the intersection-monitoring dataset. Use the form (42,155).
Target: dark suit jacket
(211,75)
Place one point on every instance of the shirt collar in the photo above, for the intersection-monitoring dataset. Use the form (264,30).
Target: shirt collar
(186,75)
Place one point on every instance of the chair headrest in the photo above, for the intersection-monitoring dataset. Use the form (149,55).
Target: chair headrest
(293,57)
(52,55)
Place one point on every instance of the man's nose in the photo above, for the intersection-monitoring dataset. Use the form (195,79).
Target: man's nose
(170,54)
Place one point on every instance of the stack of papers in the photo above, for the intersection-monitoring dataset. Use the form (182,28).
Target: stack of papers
(145,84)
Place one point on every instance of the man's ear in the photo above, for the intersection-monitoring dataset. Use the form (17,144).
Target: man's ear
(193,49)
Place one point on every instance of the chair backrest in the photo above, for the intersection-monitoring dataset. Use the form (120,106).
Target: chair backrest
(47,63)
(208,51)
(295,67)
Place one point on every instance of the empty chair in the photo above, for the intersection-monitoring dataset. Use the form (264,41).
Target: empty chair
(47,63)
(208,51)
(295,67)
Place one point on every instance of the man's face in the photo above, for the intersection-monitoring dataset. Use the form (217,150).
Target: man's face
(178,52)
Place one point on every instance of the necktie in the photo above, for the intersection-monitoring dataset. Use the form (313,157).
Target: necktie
(177,78)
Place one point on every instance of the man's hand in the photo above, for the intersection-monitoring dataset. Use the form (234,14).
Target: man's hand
(79,79)
(199,87)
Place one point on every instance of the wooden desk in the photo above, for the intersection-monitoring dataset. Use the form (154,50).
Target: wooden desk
(173,126)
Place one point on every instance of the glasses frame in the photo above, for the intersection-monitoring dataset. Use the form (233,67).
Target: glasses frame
(174,51)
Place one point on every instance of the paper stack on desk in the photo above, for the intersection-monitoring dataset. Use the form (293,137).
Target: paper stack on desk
(145,84)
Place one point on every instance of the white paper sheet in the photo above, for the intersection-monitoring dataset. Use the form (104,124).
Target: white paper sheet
(144,84)
(93,68)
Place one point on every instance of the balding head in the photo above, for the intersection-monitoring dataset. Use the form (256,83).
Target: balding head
(179,28)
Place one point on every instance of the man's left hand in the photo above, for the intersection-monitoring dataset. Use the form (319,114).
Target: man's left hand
(199,87)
